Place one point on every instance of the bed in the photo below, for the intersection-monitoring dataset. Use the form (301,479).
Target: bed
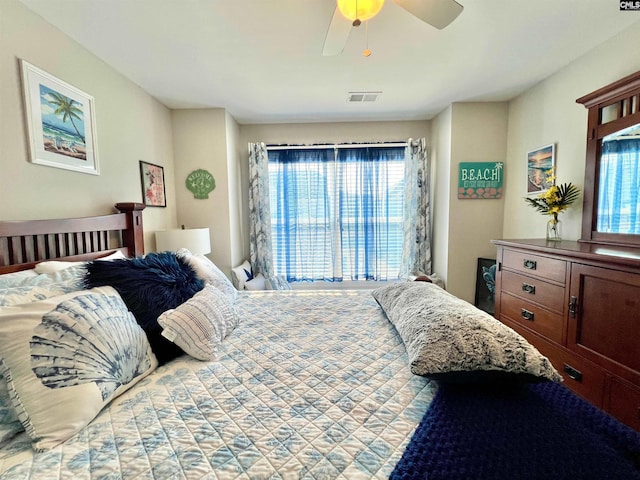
(324,384)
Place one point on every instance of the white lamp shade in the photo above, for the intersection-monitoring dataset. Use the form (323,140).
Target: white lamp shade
(196,240)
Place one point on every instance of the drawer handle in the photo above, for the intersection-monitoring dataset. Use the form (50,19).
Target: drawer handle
(572,373)
(527,315)
(573,306)
(529,288)
(529,264)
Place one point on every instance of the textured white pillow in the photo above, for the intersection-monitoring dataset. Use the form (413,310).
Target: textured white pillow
(450,340)
(66,357)
(207,271)
(201,323)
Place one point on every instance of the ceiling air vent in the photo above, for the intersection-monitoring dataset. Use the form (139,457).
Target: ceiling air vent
(363,97)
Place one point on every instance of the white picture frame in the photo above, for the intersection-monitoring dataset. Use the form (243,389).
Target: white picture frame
(539,162)
(60,122)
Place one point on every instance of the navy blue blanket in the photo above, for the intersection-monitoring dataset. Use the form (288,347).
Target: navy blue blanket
(536,431)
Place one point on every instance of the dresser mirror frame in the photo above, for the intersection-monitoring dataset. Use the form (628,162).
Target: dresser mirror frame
(612,108)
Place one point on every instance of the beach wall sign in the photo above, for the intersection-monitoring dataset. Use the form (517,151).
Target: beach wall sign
(480,180)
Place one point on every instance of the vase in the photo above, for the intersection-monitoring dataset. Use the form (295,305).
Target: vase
(554,229)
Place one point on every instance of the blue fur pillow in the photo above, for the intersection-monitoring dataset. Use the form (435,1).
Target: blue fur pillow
(149,286)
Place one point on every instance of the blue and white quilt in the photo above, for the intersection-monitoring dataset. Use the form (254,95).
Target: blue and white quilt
(310,385)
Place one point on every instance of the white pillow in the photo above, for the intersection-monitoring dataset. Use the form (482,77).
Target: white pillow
(9,423)
(53,266)
(66,357)
(208,272)
(201,323)
(241,274)
(256,283)
(27,292)
(15,279)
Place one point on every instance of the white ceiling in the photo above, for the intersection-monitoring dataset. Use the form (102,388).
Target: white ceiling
(262,59)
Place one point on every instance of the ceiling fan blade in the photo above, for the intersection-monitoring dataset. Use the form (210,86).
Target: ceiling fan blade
(438,13)
(337,35)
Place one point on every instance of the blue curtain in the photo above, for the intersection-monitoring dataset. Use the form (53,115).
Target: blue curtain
(619,186)
(416,251)
(370,182)
(337,213)
(260,249)
(301,211)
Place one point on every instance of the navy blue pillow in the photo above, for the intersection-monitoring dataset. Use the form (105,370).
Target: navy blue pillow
(149,285)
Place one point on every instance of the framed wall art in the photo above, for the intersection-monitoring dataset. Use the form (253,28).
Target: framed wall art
(60,121)
(539,162)
(152,180)
(486,285)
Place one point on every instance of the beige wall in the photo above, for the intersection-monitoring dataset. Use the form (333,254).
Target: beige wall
(463,229)
(479,134)
(200,142)
(547,113)
(131,126)
(440,179)
(236,214)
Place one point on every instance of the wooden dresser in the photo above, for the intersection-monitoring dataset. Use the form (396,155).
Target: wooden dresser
(579,304)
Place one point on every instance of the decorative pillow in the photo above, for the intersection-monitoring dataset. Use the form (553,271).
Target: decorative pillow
(449,339)
(201,323)
(149,286)
(29,294)
(52,266)
(66,357)
(256,283)
(241,274)
(277,282)
(68,275)
(207,271)
(10,426)
(25,287)
(15,279)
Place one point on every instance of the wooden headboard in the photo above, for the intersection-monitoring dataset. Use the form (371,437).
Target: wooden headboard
(25,243)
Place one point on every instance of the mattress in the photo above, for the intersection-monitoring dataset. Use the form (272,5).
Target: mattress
(310,385)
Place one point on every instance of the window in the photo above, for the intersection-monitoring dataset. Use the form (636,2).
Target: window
(337,212)
(619,186)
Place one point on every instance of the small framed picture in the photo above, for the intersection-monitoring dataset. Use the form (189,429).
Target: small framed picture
(540,164)
(152,180)
(486,285)
(61,122)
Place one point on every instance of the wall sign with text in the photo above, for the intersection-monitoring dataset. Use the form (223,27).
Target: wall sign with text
(480,180)
(200,183)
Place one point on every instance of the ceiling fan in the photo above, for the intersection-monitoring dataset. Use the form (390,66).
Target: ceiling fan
(351,13)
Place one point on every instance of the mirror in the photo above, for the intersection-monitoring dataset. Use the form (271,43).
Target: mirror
(618,209)
(611,206)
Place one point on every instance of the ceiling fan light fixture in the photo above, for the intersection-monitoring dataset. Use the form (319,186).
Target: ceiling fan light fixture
(359,10)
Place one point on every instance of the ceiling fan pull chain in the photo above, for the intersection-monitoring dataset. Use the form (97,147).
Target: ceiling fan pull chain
(367,52)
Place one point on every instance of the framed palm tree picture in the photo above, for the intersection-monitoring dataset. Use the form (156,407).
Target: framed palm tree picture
(60,121)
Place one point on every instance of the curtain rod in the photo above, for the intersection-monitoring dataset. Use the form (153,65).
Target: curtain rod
(339,145)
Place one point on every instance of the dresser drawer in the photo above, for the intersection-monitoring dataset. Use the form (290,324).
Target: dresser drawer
(624,402)
(580,375)
(539,266)
(532,316)
(535,290)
